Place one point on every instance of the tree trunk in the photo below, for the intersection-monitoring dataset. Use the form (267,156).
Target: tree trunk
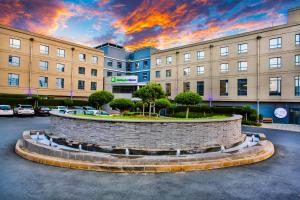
(187,112)
(149,109)
(154,108)
(143,109)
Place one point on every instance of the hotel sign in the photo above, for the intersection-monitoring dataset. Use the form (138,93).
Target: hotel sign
(124,79)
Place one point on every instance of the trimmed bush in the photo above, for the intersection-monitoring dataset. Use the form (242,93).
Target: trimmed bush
(100,98)
(188,99)
(122,104)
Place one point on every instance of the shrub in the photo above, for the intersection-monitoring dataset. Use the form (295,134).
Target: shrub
(122,104)
(68,102)
(188,99)
(162,104)
(100,98)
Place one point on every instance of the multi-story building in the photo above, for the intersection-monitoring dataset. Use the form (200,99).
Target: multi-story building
(259,68)
(35,64)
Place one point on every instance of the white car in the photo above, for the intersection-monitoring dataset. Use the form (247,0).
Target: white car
(24,110)
(59,109)
(6,110)
(88,110)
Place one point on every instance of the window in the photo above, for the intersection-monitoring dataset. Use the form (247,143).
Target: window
(145,63)
(275,86)
(224,51)
(168,89)
(81,85)
(110,63)
(297,85)
(297,60)
(200,88)
(13,79)
(60,67)
(275,63)
(137,65)
(224,67)
(119,74)
(81,70)
(44,49)
(242,87)
(14,60)
(157,74)
(145,75)
(93,85)
(169,59)
(297,39)
(243,48)
(275,43)
(223,87)
(200,70)
(168,73)
(60,53)
(109,73)
(93,72)
(95,60)
(158,61)
(187,57)
(60,83)
(15,43)
(200,55)
(186,86)
(187,71)
(44,65)
(242,66)
(82,57)
(43,82)
(119,64)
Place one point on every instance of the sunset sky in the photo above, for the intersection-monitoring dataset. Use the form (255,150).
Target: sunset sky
(138,23)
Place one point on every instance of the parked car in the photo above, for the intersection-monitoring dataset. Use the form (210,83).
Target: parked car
(6,110)
(77,109)
(42,111)
(102,113)
(60,109)
(88,110)
(24,110)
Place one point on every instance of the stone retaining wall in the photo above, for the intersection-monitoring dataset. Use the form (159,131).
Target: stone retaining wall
(149,135)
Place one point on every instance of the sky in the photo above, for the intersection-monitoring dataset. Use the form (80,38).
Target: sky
(140,23)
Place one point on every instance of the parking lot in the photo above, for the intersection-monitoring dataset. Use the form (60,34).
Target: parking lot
(275,178)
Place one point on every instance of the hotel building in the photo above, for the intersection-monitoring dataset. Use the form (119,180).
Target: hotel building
(259,68)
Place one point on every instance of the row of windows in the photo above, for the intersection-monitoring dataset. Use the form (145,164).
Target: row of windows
(145,75)
(44,49)
(14,80)
(136,65)
(274,43)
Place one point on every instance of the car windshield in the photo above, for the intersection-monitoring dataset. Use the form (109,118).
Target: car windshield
(5,107)
(62,107)
(90,108)
(26,106)
(45,108)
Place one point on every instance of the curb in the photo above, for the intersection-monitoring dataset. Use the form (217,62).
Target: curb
(255,157)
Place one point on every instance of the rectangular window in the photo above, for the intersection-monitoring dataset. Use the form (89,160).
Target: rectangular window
(200,70)
(119,74)
(44,49)
(275,86)
(223,87)
(82,57)
(186,86)
(297,60)
(200,55)
(13,79)
(119,65)
(60,53)
(242,87)
(81,70)
(169,59)
(110,63)
(81,85)
(145,64)
(200,88)
(145,75)
(60,67)
(275,62)
(297,39)
(137,65)
(243,48)
(297,85)
(187,71)
(15,43)
(44,65)
(275,43)
(224,67)
(158,61)
(93,85)
(60,83)
(224,51)
(168,89)
(157,74)
(242,66)
(109,73)
(187,57)
(43,82)
(93,72)
(95,60)
(168,73)
(14,60)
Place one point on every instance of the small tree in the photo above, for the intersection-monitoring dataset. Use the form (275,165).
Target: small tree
(68,102)
(100,98)
(162,104)
(122,104)
(141,105)
(188,99)
(36,100)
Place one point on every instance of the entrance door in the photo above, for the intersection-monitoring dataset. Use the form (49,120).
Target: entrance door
(294,116)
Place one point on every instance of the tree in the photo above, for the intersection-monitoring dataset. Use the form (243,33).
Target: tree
(122,104)
(141,105)
(162,104)
(36,100)
(100,98)
(68,102)
(188,99)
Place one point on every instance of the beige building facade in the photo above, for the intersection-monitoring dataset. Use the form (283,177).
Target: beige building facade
(35,64)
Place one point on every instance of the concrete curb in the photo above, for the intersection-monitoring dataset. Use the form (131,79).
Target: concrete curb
(230,161)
